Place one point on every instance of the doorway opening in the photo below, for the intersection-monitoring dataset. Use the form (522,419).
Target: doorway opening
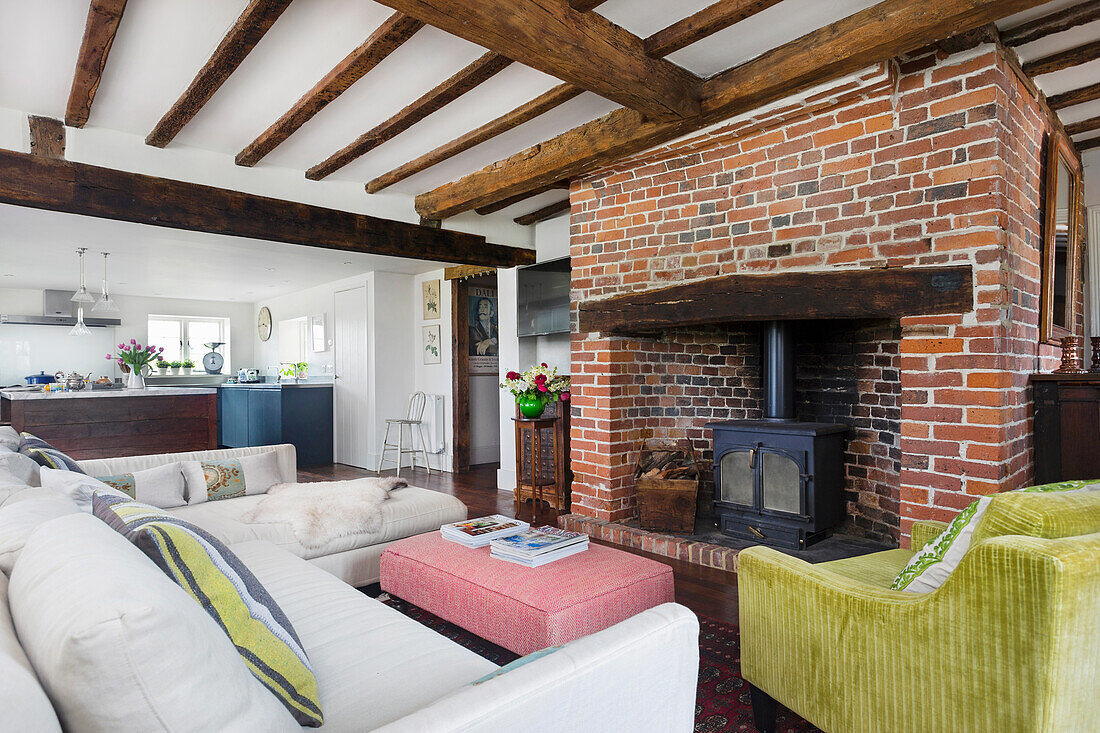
(476,370)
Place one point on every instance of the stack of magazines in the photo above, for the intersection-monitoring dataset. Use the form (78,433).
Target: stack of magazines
(483,530)
(536,547)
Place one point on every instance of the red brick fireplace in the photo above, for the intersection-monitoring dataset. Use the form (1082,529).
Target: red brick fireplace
(932,161)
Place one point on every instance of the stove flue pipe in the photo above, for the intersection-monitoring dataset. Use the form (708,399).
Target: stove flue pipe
(778,371)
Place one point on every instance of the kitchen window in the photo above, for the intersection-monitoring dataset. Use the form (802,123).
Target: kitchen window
(183,337)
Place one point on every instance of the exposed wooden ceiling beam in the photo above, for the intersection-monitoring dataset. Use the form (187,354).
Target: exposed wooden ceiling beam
(1092,123)
(481,70)
(584,49)
(47,137)
(1063,59)
(99,33)
(882,293)
(546,212)
(706,22)
(238,42)
(846,46)
(1083,145)
(505,203)
(1062,20)
(79,188)
(1074,96)
(397,29)
(538,106)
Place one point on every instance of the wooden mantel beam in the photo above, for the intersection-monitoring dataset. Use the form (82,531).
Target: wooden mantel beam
(237,43)
(397,29)
(844,47)
(582,48)
(99,33)
(78,188)
(879,293)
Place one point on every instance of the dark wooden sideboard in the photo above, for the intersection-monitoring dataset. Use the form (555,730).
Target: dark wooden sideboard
(1067,427)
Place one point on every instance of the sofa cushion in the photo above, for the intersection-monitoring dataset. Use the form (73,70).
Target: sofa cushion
(285,456)
(1022,513)
(45,454)
(23,701)
(119,647)
(161,486)
(18,468)
(373,664)
(230,478)
(407,512)
(77,487)
(19,520)
(9,439)
(229,592)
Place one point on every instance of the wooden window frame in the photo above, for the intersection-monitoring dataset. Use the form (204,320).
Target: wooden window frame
(1060,151)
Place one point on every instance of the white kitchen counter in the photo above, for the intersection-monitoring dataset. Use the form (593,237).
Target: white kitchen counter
(89,393)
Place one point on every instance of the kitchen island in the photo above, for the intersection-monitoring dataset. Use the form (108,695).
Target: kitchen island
(126,422)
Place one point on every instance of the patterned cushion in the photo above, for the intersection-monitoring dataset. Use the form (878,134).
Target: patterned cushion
(161,486)
(45,454)
(230,593)
(229,478)
(934,563)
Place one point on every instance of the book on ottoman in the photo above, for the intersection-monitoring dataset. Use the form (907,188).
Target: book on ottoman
(483,530)
(537,547)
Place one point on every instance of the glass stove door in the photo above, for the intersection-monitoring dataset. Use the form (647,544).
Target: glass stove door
(781,482)
(736,476)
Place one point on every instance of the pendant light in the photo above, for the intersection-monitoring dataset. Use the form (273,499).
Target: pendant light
(106,304)
(80,298)
(82,295)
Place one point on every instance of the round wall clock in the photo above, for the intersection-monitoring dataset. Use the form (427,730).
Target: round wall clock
(263,324)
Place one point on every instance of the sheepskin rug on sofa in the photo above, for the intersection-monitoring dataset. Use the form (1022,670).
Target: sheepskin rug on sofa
(321,511)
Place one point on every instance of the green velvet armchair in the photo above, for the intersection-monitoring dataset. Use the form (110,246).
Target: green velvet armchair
(1010,643)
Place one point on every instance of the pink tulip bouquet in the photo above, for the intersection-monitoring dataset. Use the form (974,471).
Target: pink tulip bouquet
(135,356)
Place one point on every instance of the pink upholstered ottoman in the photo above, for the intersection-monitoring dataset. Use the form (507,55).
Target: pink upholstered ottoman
(523,609)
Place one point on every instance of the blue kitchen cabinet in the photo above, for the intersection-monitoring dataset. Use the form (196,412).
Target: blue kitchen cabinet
(253,415)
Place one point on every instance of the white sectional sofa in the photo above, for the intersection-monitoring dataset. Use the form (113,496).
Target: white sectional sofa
(76,583)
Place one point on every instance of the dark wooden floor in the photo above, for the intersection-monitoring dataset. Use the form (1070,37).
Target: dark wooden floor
(706,591)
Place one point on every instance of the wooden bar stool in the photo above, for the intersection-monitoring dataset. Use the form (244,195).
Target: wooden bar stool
(529,431)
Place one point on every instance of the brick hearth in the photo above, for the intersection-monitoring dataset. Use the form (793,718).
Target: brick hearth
(939,166)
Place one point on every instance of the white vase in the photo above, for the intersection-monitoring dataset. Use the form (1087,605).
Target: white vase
(135,381)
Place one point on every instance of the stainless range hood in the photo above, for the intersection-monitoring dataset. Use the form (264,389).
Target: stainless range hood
(58,310)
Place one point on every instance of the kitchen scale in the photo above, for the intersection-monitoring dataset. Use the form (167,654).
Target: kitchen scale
(213,362)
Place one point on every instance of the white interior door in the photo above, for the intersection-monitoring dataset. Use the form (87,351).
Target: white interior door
(351,391)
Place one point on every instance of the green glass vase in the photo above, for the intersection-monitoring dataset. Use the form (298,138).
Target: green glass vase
(531,405)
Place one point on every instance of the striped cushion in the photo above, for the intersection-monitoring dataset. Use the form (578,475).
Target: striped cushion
(230,593)
(45,454)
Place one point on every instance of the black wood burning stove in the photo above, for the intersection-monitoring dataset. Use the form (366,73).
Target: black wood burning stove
(778,481)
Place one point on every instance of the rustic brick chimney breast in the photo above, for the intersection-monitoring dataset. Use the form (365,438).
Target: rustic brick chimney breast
(941,166)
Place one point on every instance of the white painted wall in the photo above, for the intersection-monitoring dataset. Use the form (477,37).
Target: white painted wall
(435,378)
(29,349)
(551,243)
(391,343)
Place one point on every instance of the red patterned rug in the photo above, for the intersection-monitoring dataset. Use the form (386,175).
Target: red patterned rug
(722,704)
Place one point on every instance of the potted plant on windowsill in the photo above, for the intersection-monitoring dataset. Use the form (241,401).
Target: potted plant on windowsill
(175,367)
(535,388)
(135,357)
(162,367)
(187,366)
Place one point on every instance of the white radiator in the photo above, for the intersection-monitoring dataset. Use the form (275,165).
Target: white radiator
(434,423)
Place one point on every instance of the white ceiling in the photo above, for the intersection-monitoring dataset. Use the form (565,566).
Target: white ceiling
(162,43)
(1072,78)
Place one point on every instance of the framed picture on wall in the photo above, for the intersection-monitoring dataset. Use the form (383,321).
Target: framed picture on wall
(430,299)
(431,345)
(484,343)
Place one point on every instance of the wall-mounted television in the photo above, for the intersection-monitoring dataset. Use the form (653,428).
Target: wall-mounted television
(544,298)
